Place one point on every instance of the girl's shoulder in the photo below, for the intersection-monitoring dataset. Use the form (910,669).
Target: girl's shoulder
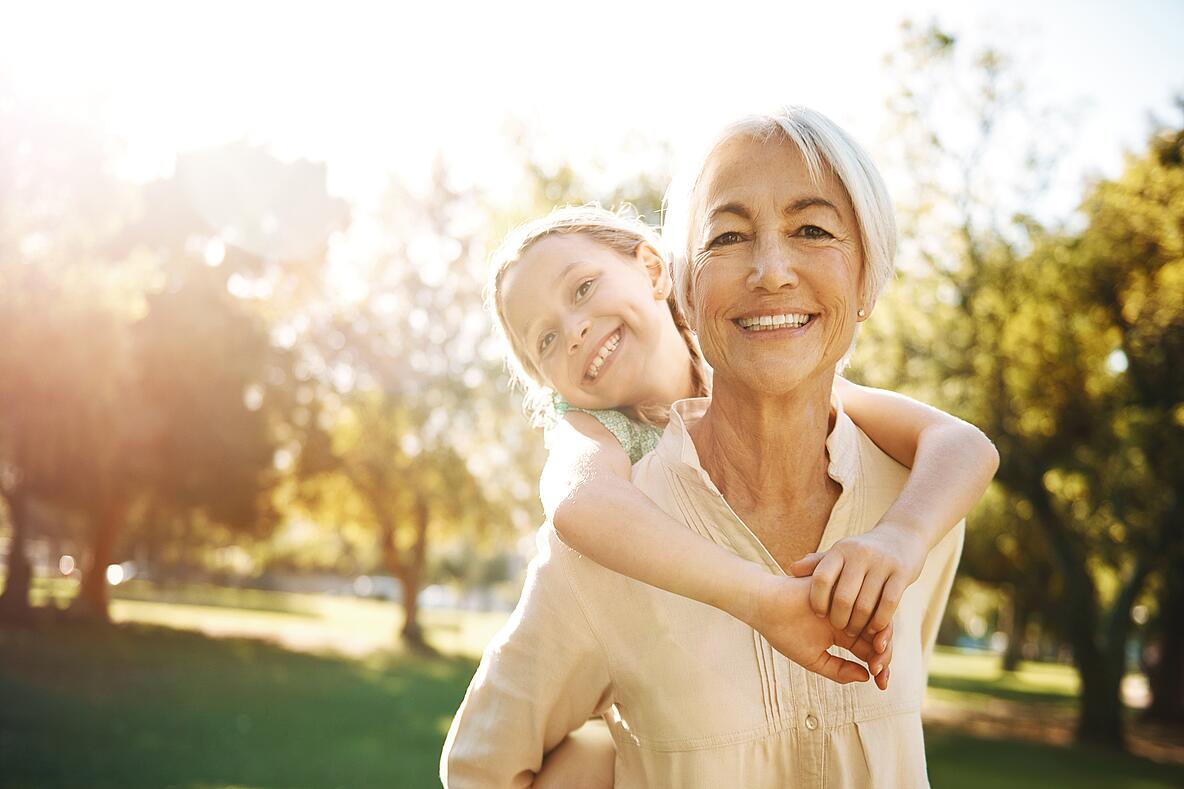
(636,438)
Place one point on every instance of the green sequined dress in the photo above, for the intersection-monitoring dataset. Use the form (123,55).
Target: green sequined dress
(637,438)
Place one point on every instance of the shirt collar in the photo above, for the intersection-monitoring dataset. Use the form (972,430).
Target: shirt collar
(677,448)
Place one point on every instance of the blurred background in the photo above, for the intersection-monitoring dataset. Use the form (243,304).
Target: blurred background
(265,493)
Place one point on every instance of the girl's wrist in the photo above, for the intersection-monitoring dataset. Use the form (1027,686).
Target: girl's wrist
(750,587)
(911,527)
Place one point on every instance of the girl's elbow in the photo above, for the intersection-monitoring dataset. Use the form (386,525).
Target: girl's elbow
(992,457)
(565,518)
(988,453)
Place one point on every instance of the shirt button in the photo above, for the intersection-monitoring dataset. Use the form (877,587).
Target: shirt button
(811,722)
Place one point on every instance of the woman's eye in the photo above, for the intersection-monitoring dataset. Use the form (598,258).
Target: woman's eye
(583,289)
(545,341)
(730,237)
(813,231)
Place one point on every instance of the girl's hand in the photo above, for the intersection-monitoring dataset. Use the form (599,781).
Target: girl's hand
(784,617)
(858,583)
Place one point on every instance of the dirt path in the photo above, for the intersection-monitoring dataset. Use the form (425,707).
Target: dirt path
(1052,724)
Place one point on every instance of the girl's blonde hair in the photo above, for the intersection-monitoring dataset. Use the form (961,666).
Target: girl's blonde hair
(622,231)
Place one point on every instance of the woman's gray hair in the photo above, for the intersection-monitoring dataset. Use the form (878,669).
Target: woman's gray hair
(823,144)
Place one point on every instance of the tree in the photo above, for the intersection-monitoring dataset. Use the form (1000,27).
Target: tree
(414,435)
(1021,324)
(1132,256)
(64,297)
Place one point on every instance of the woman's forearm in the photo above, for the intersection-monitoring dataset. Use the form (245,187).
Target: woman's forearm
(613,523)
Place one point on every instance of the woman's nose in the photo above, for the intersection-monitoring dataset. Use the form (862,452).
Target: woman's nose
(773,267)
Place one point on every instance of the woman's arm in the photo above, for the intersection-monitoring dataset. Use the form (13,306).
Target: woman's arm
(952,463)
(598,512)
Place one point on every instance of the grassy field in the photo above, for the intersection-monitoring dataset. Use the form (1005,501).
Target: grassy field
(145,705)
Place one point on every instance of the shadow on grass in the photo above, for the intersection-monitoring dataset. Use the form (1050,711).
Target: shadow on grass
(960,760)
(1004,687)
(141,706)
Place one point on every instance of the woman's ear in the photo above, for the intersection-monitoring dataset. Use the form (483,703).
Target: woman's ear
(657,268)
(865,311)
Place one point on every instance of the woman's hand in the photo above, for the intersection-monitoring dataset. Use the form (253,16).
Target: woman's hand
(858,583)
(784,617)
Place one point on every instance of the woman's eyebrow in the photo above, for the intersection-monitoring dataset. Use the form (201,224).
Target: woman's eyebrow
(735,208)
(810,202)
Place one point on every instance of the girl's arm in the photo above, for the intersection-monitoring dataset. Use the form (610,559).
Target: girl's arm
(952,463)
(587,495)
(596,510)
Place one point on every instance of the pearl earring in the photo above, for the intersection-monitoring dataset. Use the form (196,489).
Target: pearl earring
(862,313)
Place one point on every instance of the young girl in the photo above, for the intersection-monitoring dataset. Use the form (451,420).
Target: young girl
(583,300)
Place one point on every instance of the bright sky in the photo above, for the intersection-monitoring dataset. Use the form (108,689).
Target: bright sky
(375,90)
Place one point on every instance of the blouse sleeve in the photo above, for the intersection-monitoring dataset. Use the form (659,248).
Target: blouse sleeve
(541,678)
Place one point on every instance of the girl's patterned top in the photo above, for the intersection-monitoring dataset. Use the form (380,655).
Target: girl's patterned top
(637,438)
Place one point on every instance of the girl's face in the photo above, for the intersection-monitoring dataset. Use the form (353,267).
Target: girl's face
(591,319)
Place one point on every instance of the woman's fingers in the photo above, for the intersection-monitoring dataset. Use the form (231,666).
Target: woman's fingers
(825,574)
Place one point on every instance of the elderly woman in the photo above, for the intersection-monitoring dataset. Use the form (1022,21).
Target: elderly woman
(785,217)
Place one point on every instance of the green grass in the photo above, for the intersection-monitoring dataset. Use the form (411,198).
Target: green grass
(960,675)
(965,762)
(144,705)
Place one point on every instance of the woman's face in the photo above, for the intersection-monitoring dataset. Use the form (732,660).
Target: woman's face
(777,264)
(590,319)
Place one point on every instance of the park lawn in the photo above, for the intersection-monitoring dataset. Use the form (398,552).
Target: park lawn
(145,705)
(961,675)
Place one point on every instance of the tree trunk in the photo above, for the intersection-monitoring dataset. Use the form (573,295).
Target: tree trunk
(1100,719)
(412,633)
(408,574)
(1166,675)
(93,600)
(14,601)
(1017,625)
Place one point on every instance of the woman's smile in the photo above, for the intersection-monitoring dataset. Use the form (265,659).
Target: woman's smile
(776,325)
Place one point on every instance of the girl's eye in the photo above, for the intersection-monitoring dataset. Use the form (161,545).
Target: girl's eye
(813,231)
(545,341)
(723,239)
(583,289)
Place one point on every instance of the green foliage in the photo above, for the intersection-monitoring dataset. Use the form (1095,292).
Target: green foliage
(1063,345)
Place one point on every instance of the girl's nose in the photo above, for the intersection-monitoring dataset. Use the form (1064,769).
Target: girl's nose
(577,334)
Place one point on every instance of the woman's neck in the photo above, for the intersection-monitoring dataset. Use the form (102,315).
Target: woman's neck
(767,453)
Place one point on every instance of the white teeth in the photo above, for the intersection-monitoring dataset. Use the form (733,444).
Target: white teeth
(609,346)
(769,322)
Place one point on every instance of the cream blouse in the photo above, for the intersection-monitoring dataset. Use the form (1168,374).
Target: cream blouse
(693,697)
